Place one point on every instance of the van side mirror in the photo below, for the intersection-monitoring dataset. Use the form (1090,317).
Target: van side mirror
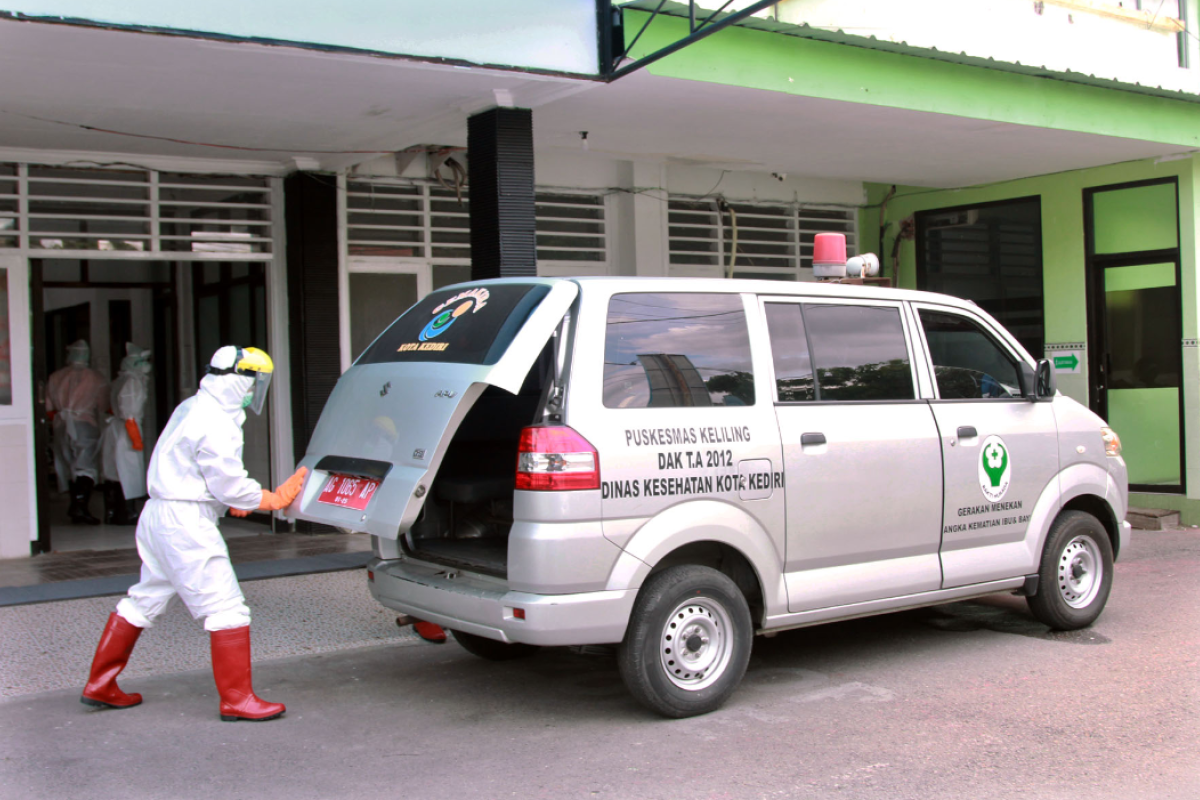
(1047,385)
(1037,383)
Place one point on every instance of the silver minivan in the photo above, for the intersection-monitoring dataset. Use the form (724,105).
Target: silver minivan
(672,466)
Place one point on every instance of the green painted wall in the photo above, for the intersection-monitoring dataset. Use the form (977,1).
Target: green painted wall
(778,62)
(1064,278)
(1062,231)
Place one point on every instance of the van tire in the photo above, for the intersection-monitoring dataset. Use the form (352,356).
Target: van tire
(709,608)
(1076,573)
(493,650)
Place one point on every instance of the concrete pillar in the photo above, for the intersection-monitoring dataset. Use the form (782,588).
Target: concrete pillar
(642,219)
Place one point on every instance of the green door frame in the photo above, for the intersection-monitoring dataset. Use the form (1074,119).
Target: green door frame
(1099,356)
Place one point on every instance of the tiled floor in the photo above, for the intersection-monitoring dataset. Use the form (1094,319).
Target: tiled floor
(243,547)
(101,551)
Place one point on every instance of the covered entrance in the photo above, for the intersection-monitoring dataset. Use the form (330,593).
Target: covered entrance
(177,263)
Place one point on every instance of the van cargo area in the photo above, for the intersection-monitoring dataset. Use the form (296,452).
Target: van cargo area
(466,520)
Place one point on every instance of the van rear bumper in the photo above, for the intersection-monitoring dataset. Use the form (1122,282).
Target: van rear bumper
(484,606)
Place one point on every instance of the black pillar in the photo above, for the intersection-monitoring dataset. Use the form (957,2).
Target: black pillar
(500,179)
(310,213)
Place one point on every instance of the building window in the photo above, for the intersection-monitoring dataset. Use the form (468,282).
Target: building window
(404,219)
(132,210)
(774,241)
(992,255)
(9,206)
(673,350)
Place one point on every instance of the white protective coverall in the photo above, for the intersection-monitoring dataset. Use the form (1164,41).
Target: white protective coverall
(78,396)
(195,473)
(121,462)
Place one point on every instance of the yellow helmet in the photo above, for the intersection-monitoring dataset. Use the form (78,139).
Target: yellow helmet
(252,363)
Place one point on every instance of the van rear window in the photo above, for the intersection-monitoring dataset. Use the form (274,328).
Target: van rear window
(463,325)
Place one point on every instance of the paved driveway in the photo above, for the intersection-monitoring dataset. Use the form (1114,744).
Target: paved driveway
(972,700)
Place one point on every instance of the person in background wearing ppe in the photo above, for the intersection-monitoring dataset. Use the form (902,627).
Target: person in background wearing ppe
(195,473)
(76,399)
(123,458)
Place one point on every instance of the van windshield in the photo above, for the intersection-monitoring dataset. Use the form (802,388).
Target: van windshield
(462,325)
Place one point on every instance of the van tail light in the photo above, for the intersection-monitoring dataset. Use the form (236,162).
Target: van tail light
(556,459)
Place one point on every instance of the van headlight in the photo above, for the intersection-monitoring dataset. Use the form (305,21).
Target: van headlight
(1112,442)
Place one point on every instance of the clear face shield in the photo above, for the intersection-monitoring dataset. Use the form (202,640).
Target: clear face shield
(257,398)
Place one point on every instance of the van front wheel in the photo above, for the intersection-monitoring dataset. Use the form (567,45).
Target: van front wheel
(688,641)
(1076,573)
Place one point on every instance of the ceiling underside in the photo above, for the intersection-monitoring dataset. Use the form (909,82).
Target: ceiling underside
(277,104)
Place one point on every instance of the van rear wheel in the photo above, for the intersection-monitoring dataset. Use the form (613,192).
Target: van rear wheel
(1076,573)
(493,650)
(688,641)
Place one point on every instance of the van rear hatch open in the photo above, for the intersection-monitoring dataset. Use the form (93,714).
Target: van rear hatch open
(385,429)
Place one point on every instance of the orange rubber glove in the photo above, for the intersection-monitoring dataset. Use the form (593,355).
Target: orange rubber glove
(285,494)
(135,435)
(238,512)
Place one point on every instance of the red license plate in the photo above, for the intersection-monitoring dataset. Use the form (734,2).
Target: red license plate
(348,491)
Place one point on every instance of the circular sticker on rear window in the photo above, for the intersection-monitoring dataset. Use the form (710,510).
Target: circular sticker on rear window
(995,468)
(446,313)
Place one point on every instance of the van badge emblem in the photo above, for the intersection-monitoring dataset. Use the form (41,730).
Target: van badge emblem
(385,388)
(445,393)
(419,454)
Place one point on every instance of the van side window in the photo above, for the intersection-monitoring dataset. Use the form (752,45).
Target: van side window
(967,362)
(789,351)
(664,350)
(859,352)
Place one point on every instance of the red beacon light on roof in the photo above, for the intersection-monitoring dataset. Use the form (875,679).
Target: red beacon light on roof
(829,256)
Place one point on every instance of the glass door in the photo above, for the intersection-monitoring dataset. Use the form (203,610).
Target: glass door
(1141,394)
(1135,339)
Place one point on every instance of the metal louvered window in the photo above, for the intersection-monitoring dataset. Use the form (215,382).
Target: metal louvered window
(404,219)
(570,227)
(133,210)
(10,206)
(214,214)
(773,241)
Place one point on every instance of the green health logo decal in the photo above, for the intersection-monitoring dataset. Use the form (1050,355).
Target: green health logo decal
(995,469)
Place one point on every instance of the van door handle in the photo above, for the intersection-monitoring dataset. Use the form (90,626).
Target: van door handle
(808,439)
(967,432)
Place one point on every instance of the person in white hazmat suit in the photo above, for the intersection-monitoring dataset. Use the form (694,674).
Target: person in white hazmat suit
(195,473)
(123,459)
(76,400)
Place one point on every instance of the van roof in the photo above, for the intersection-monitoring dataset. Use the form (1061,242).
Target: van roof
(614,284)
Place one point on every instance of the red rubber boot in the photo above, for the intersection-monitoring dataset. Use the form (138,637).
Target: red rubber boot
(430,631)
(112,654)
(231,671)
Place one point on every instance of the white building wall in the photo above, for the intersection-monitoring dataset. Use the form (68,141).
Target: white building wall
(637,194)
